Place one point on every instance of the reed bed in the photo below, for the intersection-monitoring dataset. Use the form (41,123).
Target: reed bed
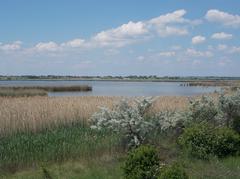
(49,88)
(220,83)
(21,91)
(36,113)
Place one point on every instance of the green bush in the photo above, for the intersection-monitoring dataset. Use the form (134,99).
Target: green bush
(226,142)
(236,124)
(203,140)
(174,171)
(198,140)
(142,163)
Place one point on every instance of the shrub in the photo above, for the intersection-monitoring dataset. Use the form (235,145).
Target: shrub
(203,109)
(198,140)
(230,106)
(226,142)
(236,124)
(174,171)
(128,120)
(203,140)
(142,163)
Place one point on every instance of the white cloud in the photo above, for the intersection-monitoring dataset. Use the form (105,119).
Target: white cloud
(228,49)
(169,24)
(198,39)
(167,54)
(141,58)
(222,47)
(123,35)
(111,52)
(195,53)
(214,15)
(11,46)
(196,62)
(174,17)
(47,46)
(75,43)
(234,49)
(165,31)
(221,36)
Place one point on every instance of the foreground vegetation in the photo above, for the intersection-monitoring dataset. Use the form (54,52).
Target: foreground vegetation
(61,144)
(132,140)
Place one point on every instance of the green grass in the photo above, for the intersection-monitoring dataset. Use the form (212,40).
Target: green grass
(65,143)
(110,168)
(99,168)
(228,168)
(77,152)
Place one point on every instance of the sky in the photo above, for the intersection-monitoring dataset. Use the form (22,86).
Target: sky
(127,37)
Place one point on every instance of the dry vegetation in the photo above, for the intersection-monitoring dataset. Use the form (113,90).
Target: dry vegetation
(35,113)
(26,91)
(219,83)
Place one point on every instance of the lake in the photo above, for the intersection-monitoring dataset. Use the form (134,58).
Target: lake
(119,88)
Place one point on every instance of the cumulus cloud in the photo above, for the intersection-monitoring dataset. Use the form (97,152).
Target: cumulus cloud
(123,35)
(214,15)
(165,31)
(75,43)
(198,39)
(47,46)
(195,53)
(174,17)
(11,46)
(221,36)
(170,24)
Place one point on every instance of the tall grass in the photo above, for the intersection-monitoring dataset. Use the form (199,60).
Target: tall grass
(60,144)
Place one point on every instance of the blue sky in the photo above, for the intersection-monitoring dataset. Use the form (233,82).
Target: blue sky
(87,37)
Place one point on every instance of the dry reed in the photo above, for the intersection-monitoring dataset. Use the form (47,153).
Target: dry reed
(36,113)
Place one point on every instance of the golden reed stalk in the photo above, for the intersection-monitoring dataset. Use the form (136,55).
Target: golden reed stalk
(36,113)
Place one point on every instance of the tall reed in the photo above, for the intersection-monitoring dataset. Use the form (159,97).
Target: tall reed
(36,113)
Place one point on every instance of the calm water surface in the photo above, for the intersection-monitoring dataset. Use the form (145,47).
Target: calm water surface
(116,88)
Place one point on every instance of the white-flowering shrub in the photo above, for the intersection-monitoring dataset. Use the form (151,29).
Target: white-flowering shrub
(130,120)
(166,120)
(204,109)
(230,106)
(127,119)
